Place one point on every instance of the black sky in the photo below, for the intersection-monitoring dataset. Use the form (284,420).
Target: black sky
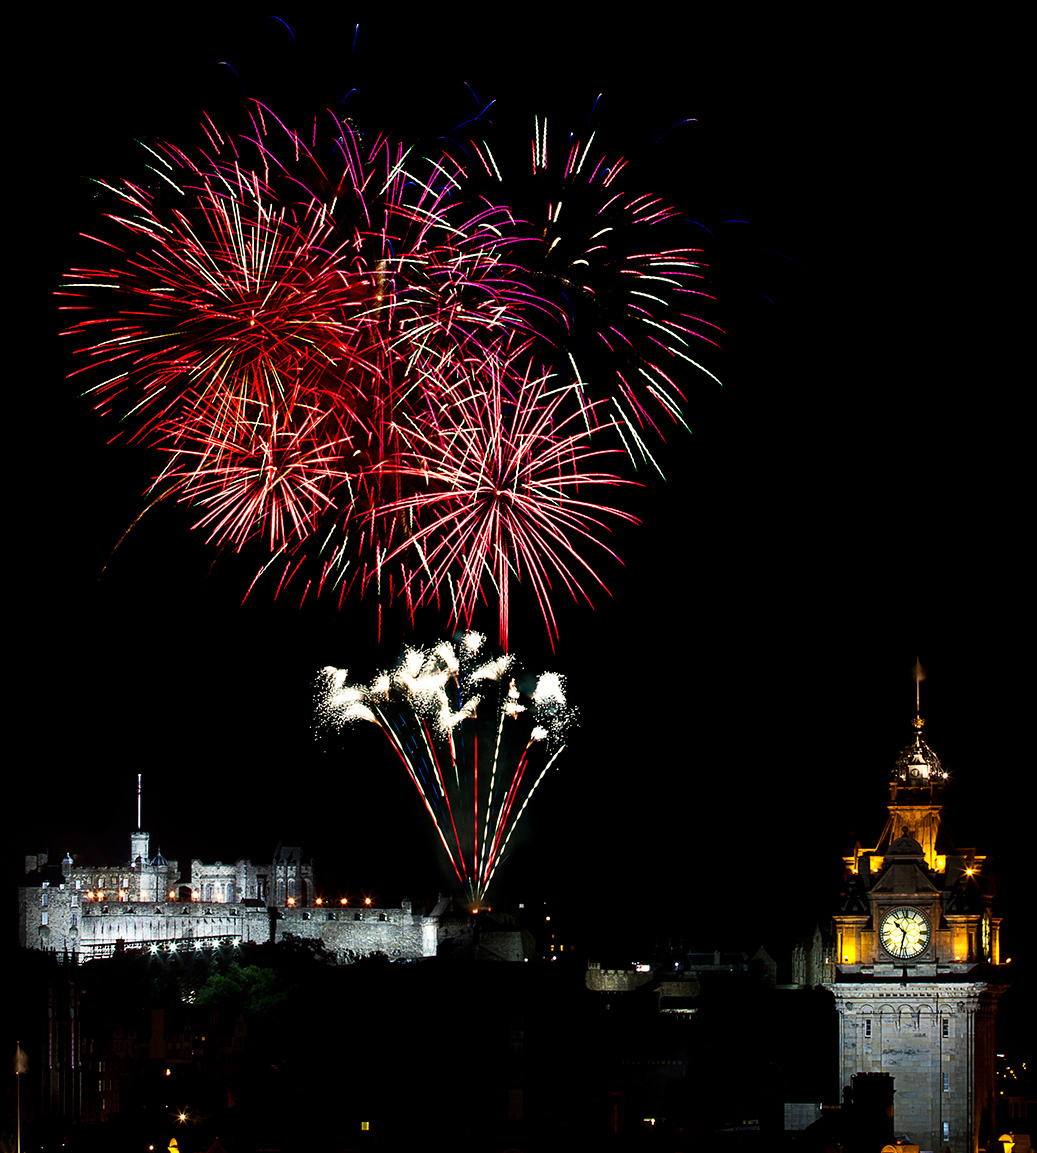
(850,499)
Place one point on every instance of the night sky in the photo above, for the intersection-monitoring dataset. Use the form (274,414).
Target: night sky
(851,499)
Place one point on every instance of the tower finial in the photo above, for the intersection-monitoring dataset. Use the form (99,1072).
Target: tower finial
(138,802)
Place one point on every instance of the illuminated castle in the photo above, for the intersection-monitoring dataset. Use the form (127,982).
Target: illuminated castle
(93,911)
(917,960)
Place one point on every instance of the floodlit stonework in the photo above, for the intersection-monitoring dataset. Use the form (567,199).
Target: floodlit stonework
(144,903)
(917,967)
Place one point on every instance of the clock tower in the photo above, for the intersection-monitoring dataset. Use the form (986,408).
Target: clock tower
(917,965)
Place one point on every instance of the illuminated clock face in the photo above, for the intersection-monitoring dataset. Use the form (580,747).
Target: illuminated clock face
(904,932)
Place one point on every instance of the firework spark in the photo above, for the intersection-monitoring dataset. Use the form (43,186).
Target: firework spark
(473,743)
(501,468)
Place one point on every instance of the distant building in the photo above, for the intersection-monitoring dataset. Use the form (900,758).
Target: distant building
(93,910)
(917,966)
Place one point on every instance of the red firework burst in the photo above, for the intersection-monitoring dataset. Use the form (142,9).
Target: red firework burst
(273,305)
(256,470)
(499,471)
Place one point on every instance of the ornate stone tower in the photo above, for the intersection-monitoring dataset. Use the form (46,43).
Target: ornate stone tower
(917,965)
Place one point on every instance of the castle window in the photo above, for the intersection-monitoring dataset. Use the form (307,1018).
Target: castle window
(43,899)
(358,916)
(332,917)
(867,1026)
(45,918)
(946,1130)
(946,1082)
(383,917)
(946,1026)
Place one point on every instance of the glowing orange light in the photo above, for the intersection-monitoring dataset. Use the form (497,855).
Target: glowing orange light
(343,900)
(172,895)
(320,901)
(291,900)
(367,900)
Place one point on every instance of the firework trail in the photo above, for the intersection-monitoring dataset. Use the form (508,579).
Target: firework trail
(473,743)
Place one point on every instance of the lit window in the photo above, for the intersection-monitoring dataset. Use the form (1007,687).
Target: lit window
(946,1082)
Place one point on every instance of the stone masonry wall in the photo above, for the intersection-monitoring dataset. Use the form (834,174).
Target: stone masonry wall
(398,933)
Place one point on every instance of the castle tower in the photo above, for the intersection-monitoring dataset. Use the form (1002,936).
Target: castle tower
(138,849)
(916,968)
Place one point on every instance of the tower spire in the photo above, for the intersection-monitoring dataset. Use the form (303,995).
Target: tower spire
(915,786)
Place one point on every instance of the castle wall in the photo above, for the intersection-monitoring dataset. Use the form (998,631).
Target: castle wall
(350,933)
(66,920)
(601,980)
